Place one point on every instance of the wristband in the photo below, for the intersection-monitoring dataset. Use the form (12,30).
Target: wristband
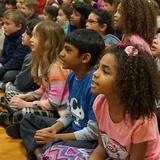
(35,95)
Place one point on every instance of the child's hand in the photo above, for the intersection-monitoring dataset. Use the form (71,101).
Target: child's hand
(26,97)
(17,102)
(45,105)
(45,135)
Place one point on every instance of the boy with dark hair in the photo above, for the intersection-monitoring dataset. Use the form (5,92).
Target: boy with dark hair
(10,4)
(78,126)
(100,21)
(108,5)
(13,52)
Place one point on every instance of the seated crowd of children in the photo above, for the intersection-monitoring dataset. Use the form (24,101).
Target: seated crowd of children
(81,78)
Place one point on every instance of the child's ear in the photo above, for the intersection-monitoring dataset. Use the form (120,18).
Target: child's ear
(19,26)
(103,27)
(86,57)
(32,10)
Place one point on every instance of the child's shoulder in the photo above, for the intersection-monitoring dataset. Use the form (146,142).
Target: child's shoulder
(137,40)
(88,77)
(101,98)
(56,71)
(15,37)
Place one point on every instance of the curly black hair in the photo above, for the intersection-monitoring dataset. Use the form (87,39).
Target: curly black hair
(139,18)
(137,82)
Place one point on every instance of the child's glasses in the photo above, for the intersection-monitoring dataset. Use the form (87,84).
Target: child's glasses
(91,21)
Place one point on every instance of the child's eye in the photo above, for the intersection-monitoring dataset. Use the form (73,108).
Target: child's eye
(105,71)
(68,49)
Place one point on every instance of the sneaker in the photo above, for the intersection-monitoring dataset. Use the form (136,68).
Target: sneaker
(4,118)
(2,86)
(8,86)
(2,101)
(13,131)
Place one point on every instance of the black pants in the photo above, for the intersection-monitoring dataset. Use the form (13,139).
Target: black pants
(8,76)
(30,123)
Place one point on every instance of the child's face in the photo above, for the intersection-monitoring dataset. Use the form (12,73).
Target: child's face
(67,2)
(61,18)
(107,6)
(10,27)
(34,42)
(92,23)
(26,39)
(104,77)
(45,16)
(117,20)
(155,48)
(19,3)
(26,11)
(75,18)
(9,6)
(70,57)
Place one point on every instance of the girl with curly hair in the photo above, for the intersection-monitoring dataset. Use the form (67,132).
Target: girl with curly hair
(137,20)
(126,80)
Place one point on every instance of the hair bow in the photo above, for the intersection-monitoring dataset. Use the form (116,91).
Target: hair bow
(131,51)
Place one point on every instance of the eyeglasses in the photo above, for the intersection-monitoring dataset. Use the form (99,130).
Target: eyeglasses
(91,21)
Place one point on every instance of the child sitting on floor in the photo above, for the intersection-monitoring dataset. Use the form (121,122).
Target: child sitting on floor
(127,80)
(78,126)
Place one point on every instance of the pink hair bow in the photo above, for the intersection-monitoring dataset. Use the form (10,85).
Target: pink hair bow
(131,51)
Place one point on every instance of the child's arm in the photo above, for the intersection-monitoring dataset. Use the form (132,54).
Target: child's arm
(49,134)
(99,152)
(57,88)
(39,92)
(90,132)
(138,151)
(46,137)
(30,96)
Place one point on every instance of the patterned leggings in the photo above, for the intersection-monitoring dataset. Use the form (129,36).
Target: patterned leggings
(17,115)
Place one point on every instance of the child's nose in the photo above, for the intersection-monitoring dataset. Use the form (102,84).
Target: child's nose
(95,74)
(155,40)
(61,54)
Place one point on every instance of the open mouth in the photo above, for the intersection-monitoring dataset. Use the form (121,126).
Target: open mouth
(153,48)
(94,84)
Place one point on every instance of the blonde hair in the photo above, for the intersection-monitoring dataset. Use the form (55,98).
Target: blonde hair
(15,16)
(51,40)
(31,3)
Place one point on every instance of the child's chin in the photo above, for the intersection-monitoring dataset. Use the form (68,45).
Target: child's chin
(65,67)
(6,34)
(93,90)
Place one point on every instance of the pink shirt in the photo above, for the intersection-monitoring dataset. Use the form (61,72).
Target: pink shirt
(54,88)
(118,137)
(140,42)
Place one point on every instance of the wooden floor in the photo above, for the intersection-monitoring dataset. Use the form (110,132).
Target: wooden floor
(10,149)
